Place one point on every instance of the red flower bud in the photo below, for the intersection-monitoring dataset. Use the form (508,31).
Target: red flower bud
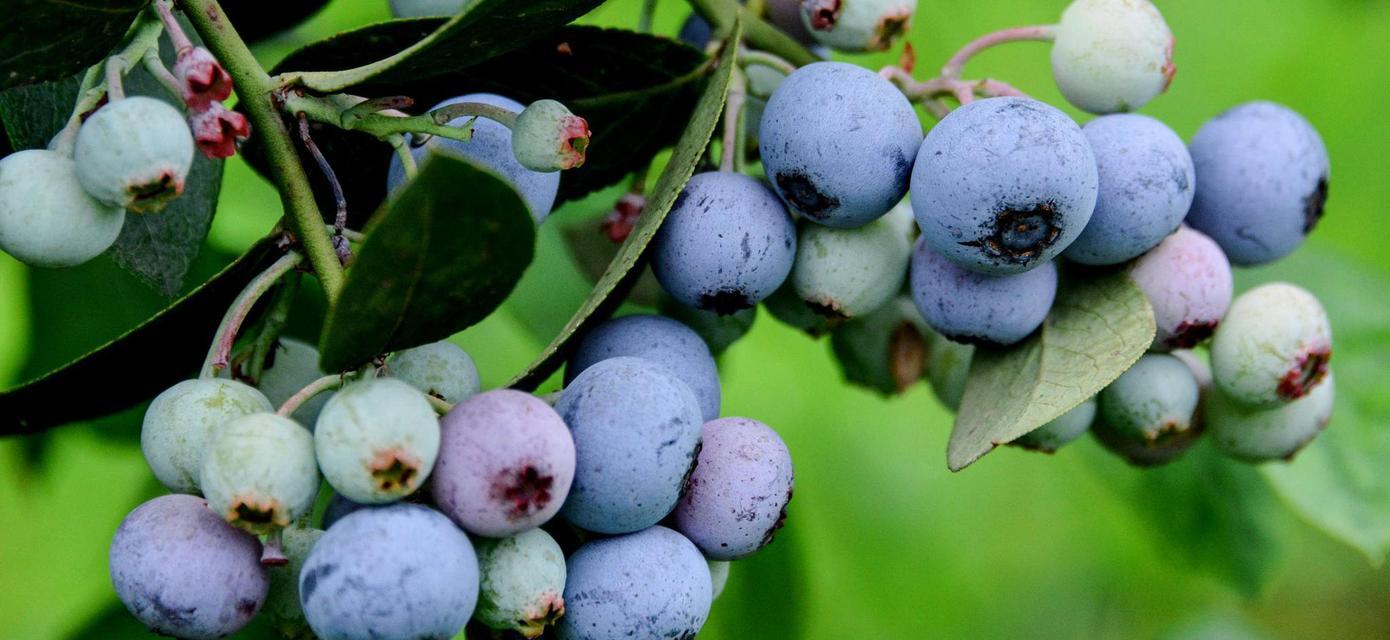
(201,78)
(217,130)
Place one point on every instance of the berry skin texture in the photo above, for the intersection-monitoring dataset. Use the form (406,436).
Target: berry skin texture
(441,369)
(506,462)
(1003,185)
(737,497)
(523,583)
(1187,280)
(1262,175)
(182,421)
(719,576)
(1273,347)
(1146,187)
(134,153)
(547,137)
(46,219)
(1062,431)
(1149,415)
(885,351)
(718,332)
(491,146)
(259,472)
(1261,435)
(376,440)
(282,602)
(661,341)
(857,25)
(400,571)
(837,142)
(292,365)
(184,572)
(636,434)
(948,369)
(847,273)
(649,584)
(425,8)
(1112,55)
(727,243)
(975,308)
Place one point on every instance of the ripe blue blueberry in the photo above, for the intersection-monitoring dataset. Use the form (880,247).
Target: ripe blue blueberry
(718,332)
(282,602)
(1062,431)
(1262,175)
(1273,347)
(183,420)
(1187,280)
(491,146)
(972,307)
(837,142)
(184,572)
(738,494)
(376,440)
(338,506)
(400,571)
(662,341)
(134,153)
(523,583)
(649,584)
(886,350)
(259,472)
(441,369)
(1149,414)
(1146,187)
(636,433)
(46,219)
(847,273)
(1112,55)
(726,244)
(1259,435)
(857,25)
(695,31)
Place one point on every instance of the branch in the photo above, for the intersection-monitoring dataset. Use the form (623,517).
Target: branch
(219,354)
(756,33)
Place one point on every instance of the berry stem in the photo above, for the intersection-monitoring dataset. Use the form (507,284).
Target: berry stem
(156,68)
(115,70)
(142,37)
(757,33)
(1037,33)
(165,10)
(219,354)
(402,149)
(733,106)
(326,383)
(440,405)
(343,111)
(271,327)
(748,57)
(644,20)
(339,198)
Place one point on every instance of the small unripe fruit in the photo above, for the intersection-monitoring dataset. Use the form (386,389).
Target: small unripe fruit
(1149,414)
(523,583)
(282,603)
(718,332)
(134,153)
(847,273)
(547,137)
(1187,280)
(46,218)
(789,309)
(441,369)
(259,473)
(649,584)
(857,25)
(948,369)
(1058,433)
(737,497)
(886,350)
(1259,435)
(1112,55)
(1273,347)
(183,420)
(719,576)
(376,440)
(290,366)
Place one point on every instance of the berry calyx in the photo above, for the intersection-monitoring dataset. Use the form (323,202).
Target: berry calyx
(547,137)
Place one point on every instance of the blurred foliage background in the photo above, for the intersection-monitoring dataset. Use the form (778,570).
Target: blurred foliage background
(882,541)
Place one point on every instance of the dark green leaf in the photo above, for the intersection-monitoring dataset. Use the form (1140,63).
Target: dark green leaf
(441,255)
(257,20)
(593,252)
(1099,326)
(44,40)
(623,270)
(137,365)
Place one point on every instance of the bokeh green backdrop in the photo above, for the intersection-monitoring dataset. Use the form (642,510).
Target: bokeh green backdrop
(881,542)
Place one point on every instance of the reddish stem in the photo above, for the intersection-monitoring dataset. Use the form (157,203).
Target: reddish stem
(219,354)
(1038,33)
(172,27)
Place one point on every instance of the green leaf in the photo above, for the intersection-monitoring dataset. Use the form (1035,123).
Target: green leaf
(1099,326)
(441,255)
(593,252)
(44,40)
(623,271)
(636,91)
(138,364)
(256,20)
(481,30)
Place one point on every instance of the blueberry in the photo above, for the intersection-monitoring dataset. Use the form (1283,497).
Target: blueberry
(1273,347)
(506,462)
(1187,280)
(786,15)
(1259,435)
(718,332)
(491,146)
(966,306)
(1112,55)
(1146,187)
(1262,173)
(1149,415)
(661,341)
(1003,185)
(1199,367)
(184,572)
(837,141)
(426,8)
(857,25)
(182,421)
(636,433)
(738,494)
(719,576)
(726,244)
(134,153)
(696,31)
(46,219)
(260,472)
(441,369)
(282,602)
(885,351)
(548,137)
(395,572)
(338,506)
(948,369)
(789,309)
(847,273)
(376,440)
(290,366)
(649,584)
(1062,431)
(523,583)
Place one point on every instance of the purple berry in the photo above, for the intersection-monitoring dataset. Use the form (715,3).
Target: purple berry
(1188,282)
(737,496)
(659,340)
(975,308)
(649,584)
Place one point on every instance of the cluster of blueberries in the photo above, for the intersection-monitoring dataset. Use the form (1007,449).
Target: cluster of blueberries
(436,521)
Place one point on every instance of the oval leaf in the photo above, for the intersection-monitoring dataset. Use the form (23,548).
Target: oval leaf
(257,20)
(442,254)
(46,40)
(1099,326)
(622,272)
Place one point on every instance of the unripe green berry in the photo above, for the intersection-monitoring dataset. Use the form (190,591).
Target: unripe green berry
(134,153)
(1058,433)
(1149,414)
(1259,435)
(523,582)
(948,369)
(788,307)
(885,350)
(547,137)
(376,440)
(857,25)
(718,331)
(46,218)
(1273,346)
(441,369)
(282,601)
(290,366)
(1112,55)
(181,422)
(259,473)
(718,575)
(847,273)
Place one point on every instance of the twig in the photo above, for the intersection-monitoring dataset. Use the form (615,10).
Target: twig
(339,198)
(309,391)
(273,324)
(1038,33)
(219,353)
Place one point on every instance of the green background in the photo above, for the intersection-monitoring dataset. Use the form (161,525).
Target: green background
(881,540)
